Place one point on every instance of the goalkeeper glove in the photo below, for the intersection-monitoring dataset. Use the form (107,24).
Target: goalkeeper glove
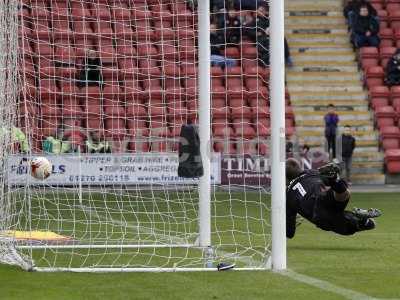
(329,173)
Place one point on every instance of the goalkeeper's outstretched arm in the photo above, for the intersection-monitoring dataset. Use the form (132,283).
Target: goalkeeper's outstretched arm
(330,176)
(343,194)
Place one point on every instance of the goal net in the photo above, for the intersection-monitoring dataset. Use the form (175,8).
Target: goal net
(101,88)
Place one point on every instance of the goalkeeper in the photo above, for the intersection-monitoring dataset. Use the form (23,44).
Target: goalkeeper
(320,196)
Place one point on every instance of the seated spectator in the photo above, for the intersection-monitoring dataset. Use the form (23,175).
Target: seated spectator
(90,74)
(253,27)
(365,29)
(52,145)
(353,7)
(217,42)
(18,138)
(257,30)
(232,27)
(76,138)
(263,47)
(95,144)
(393,70)
(216,5)
(305,157)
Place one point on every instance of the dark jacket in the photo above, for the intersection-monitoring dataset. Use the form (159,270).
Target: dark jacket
(331,121)
(348,145)
(233,27)
(263,49)
(354,6)
(392,71)
(217,42)
(90,74)
(252,29)
(363,24)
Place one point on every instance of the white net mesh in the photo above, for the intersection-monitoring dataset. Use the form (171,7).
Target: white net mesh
(101,88)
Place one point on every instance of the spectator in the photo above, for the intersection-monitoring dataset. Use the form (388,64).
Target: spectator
(232,26)
(257,30)
(17,137)
(254,27)
(365,29)
(353,6)
(289,148)
(90,74)
(52,145)
(95,144)
(217,42)
(393,70)
(217,5)
(348,145)
(263,47)
(305,159)
(331,121)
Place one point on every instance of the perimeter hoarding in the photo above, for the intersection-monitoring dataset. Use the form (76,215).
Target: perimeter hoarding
(108,169)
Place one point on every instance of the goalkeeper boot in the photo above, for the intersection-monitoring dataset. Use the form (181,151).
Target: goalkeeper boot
(367,224)
(367,213)
(225,266)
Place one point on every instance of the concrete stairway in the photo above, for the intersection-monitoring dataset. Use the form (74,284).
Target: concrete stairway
(325,71)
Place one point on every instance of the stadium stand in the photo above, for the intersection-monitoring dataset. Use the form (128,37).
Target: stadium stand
(384,99)
(148,58)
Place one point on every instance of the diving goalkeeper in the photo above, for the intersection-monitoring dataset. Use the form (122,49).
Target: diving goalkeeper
(321,197)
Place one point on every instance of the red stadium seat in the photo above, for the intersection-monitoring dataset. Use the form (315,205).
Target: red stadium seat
(369,57)
(390,137)
(68,92)
(394,19)
(395,92)
(48,90)
(386,35)
(120,11)
(72,111)
(379,92)
(111,94)
(90,92)
(379,102)
(132,92)
(392,160)
(386,53)
(114,111)
(242,111)
(374,76)
(263,127)
(396,103)
(250,52)
(100,12)
(383,18)
(385,116)
(43,49)
(115,127)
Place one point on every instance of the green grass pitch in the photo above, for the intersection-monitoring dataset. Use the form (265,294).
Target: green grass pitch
(367,263)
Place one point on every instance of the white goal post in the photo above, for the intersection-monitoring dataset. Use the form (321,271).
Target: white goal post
(125,210)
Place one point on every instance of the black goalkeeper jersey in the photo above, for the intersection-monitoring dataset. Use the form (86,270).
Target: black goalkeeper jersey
(306,196)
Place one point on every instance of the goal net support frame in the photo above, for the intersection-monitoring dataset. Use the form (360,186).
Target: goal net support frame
(203,242)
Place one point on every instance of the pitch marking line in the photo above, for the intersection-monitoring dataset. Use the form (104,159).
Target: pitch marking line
(326,286)
(318,283)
